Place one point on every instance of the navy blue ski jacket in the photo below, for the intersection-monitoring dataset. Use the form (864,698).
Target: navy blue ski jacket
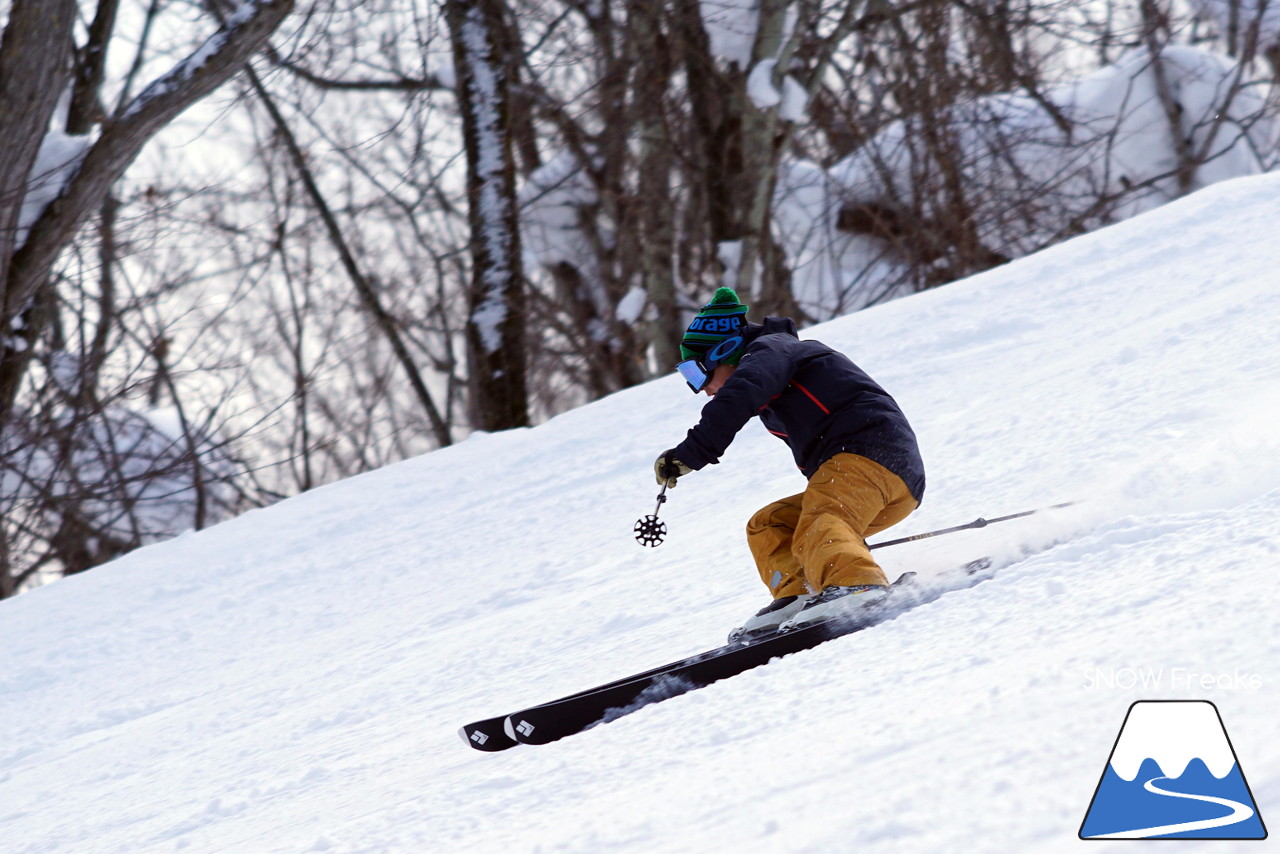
(815,399)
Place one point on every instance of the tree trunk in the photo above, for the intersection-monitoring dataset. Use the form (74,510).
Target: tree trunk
(740,144)
(655,219)
(485,57)
(35,64)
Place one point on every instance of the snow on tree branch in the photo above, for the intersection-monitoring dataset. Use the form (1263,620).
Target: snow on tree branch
(1114,161)
(731,28)
(122,138)
(59,159)
(206,54)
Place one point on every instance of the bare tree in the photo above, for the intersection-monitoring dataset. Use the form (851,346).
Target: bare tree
(35,67)
(62,157)
(954,137)
(658,153)
(347,198)
(486,56)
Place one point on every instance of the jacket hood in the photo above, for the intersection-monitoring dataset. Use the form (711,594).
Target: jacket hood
(771,326)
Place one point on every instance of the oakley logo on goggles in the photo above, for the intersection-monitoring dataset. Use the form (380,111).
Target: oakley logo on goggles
(697,372)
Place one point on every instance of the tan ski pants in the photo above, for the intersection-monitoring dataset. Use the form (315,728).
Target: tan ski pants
(817,539)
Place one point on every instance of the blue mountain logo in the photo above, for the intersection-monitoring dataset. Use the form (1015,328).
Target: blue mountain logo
(1173,774)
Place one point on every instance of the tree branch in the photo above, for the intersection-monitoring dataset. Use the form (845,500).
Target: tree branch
(383,319)
(429,83)
(123,137)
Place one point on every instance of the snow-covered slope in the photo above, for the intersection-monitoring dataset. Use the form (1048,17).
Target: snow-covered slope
(292,680)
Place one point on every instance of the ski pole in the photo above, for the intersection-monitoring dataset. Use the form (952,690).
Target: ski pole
(650,531)
(976,523)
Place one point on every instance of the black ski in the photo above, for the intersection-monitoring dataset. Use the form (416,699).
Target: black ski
(576,712)
(490,734)
(487,735)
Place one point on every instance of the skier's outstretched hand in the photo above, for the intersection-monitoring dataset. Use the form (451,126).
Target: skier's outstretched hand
(667,469)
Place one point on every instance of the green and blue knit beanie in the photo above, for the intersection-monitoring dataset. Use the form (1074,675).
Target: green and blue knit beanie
(719,319)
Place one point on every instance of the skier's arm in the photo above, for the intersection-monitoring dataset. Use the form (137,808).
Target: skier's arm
(762,374)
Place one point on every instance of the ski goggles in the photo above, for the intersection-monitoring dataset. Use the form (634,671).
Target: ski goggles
(694,373)
(697,372)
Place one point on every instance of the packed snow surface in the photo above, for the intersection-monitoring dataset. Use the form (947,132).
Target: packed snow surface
(292,680)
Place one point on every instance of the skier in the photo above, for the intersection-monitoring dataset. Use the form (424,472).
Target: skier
(848,437)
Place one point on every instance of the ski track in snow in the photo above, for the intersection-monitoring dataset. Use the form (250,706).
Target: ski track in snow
(292,680)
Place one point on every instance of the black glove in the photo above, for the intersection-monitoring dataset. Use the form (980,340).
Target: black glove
(667,469)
